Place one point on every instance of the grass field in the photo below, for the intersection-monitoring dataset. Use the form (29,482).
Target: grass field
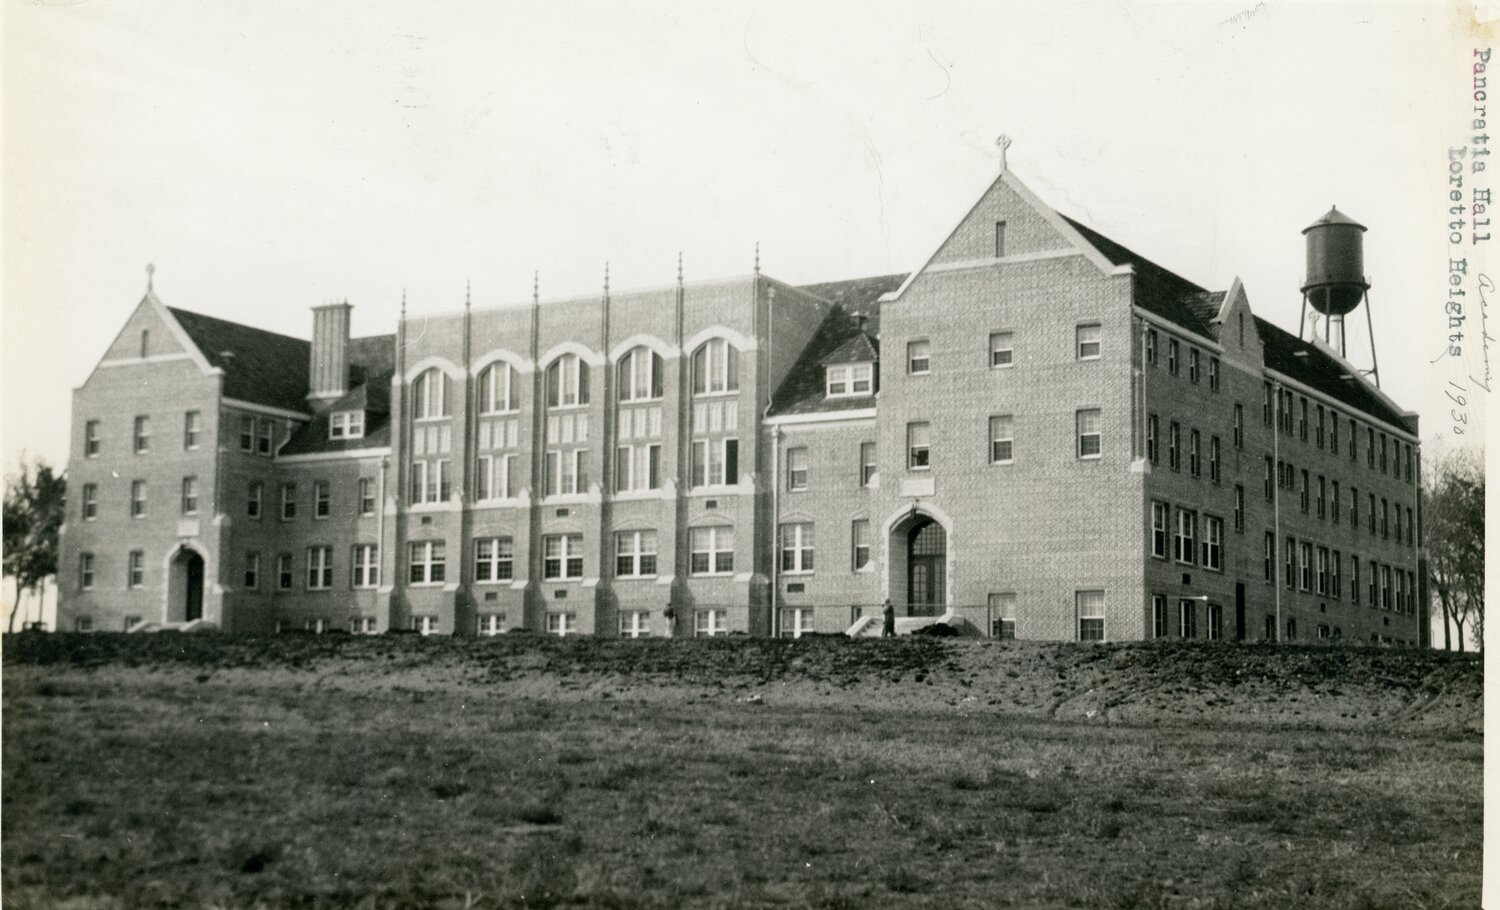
(529,772)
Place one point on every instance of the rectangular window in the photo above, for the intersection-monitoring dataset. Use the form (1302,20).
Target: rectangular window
(252,499)
(567,472)
(796,621)
(366,496)
(1383,463)
(1002,609)
(715,462)
(1321,583)
(635,624)
(1306,491)
(346,425)
(1411,528)
(1089,338)
(1266,405)
(712,550)
(493,475)
(1239,507)
(1193,365)
(851,379)
(266,438)
(1408,462)
(1213,459)
(143,436)
(1270,559)
(1302,418)
(999,239)
(1090,615)
(1322,496)
(1335,574)
(494,559)
(796,469)
(1385,518)
(1187,618)
(135,569)
(91,439)
(1370,447)
(562,624)
(1239,426)
(867,466)
(1174,446)
(288,501)
(428,564)
(1194,458)
(1089,434)
(1153,443)
(90,501)
(247,434)
(1151,346)
(1158,616)
(1002,349)
(1354,580)
(1213,543)
(190,496)
(1159,519)
(918,357)
(1372,513)
(1215,622)
(319,568)
(490,624)
(1172,356)
(796,548)
(1002,441)
(918,442)
(635,554)
(1385,587)
(1270,470)
(1333,431)
(859,538)
(364,565)
(1305,566)
(1319,432)
(1354,507)
(192,425)
(252,571)
(284,571)
(137,498)
(1184,541)
(322,499)
(562,557)
(710,623)
(1289,571)
(86,571)
(1213,373)
(430,481)
(1374,589)
(1335,502)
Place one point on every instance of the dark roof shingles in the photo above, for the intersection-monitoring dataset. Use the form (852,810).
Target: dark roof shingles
(802,391)
(259,366)
(1157,290)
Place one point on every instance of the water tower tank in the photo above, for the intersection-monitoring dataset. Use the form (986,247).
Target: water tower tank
(1335,263)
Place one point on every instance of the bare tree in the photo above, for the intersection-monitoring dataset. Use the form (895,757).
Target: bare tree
(34,509)
(1454,511)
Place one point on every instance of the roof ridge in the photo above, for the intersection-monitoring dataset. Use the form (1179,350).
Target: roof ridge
(176,311)
(1129,253)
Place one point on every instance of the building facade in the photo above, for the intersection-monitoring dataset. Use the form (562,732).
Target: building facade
(1037,434)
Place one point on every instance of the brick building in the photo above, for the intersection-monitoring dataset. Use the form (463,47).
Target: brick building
(1037,434)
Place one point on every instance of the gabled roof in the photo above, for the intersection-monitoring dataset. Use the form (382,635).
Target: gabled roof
(1312,366)
(849,328)
(859,349)
(1158,290)
(259,366)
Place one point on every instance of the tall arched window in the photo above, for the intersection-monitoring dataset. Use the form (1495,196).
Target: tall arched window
(430,395)
(639,375)
(497,389)
(567,382)
(716,368)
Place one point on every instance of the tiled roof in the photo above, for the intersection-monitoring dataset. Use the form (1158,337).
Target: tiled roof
(802,391)
(1159,291)
(1305,362)
(259,366)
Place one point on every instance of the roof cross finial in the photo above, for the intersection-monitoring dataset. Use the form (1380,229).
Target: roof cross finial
(150,273)
(1003,141)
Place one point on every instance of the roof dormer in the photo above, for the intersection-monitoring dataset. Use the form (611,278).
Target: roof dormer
(849,371)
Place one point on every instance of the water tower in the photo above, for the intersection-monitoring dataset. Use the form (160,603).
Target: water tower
(1336,282)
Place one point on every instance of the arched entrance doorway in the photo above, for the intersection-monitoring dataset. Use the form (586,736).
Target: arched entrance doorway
(926,568)
(185,586)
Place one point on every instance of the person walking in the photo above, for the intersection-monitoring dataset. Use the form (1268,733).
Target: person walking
(670,615)
(889,629)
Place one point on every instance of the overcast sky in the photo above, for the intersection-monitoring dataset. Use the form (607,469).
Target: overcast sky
(271,156)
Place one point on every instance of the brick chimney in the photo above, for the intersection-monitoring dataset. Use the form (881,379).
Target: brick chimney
(328,367)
